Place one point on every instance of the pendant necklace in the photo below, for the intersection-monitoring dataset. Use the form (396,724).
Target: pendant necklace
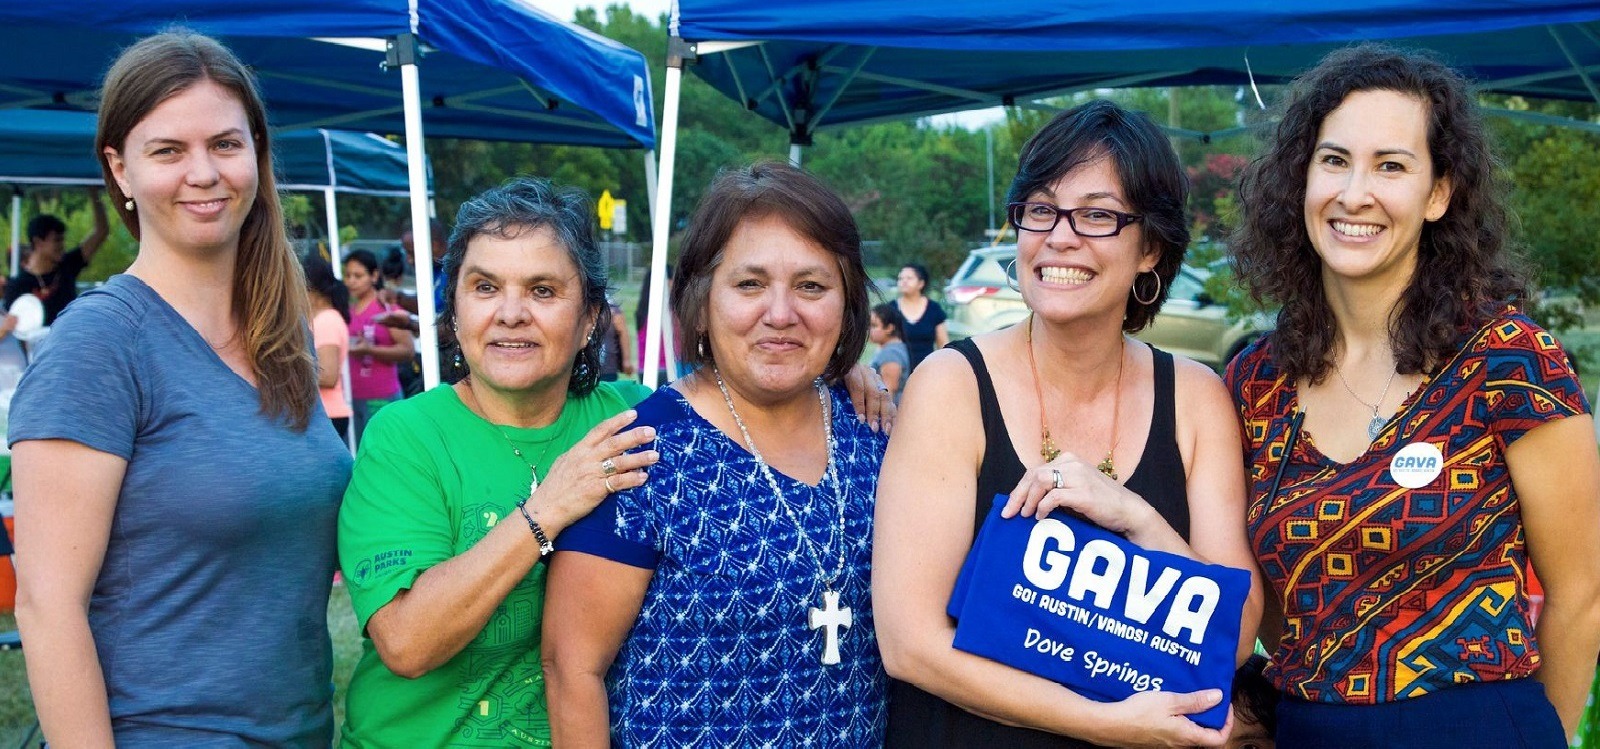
(830,616)
(1375,426)
(1047,446)
(533,471)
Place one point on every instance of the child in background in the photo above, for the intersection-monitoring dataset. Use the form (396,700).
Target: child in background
(1255,707)
(892,361)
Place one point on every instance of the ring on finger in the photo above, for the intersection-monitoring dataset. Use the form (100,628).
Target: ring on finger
(1055,474)
(608,467)
(610,489)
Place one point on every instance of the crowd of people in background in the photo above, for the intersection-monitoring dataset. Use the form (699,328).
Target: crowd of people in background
(541,551)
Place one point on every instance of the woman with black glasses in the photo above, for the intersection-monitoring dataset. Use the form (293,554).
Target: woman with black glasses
(1063,410)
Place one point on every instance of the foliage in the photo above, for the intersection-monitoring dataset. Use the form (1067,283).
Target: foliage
(919,190)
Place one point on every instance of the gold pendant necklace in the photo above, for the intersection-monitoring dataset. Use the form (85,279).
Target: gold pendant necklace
(1047,445)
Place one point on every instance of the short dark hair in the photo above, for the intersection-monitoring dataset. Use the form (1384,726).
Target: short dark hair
(320,279)
(43,225)
(368,260)
(921,271)
(810,208)
(393,264)
(1254,698)
(1472,271)
(524,203)
(1155,183)
(889,314)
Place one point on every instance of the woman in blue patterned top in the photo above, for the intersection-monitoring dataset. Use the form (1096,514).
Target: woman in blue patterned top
(729,596)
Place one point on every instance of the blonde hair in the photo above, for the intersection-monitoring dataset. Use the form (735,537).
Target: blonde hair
(269,294)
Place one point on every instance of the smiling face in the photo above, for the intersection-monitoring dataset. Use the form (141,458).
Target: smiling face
(190,167)
(519,312)
(1371,186)
(775,310)
(1064,276)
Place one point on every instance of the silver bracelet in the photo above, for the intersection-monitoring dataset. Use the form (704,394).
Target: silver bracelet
(545,547)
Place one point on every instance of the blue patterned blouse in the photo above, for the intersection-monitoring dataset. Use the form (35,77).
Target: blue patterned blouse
(722,654)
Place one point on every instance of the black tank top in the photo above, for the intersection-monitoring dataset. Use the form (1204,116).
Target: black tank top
(920,719)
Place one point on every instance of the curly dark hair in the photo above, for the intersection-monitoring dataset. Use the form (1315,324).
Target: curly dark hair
(1254,698)
(1472,271)
(1154,181)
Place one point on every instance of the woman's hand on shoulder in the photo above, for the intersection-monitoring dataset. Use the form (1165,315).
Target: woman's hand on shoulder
(597,465)
(871,398)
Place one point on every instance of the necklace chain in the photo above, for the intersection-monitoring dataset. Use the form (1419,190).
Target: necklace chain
(1375,426)
(831,474)
(533,470)
(1047,445)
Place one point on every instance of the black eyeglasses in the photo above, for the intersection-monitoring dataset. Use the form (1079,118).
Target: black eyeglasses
(1085,222)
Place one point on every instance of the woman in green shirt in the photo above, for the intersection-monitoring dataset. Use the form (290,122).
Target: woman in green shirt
(457,491)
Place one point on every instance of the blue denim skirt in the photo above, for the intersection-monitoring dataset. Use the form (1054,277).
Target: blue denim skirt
(1510,714)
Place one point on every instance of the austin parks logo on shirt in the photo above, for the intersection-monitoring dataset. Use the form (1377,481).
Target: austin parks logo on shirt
(1064,599)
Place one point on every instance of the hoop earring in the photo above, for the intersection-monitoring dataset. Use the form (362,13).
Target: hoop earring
(1153,297)
(1011,276)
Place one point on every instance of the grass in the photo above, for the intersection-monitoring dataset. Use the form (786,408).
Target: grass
(16,701)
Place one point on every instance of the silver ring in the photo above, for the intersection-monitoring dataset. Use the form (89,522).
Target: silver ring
(1059,482)
(609,489)
(608,467)
(883,388)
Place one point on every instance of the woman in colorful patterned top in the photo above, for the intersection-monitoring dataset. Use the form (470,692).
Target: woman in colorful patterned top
(1412,439)
(728,596)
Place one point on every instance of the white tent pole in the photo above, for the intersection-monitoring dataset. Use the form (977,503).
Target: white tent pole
(794,155)
(405,46)
(330,203)
(660,224)
(650,180)
(16,232)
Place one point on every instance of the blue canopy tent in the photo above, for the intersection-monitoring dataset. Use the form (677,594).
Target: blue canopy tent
(819,63)
(46,147)
(496,70)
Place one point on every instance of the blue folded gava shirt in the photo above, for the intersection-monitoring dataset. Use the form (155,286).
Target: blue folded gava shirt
(1064,599)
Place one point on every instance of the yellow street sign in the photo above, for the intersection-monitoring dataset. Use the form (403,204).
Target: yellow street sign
(606,208)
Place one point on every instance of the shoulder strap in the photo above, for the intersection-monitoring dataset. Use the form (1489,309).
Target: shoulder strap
(1163,419)
(994,426)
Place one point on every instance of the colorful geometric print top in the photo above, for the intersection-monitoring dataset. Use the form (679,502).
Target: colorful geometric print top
(1387,592)
(724,652)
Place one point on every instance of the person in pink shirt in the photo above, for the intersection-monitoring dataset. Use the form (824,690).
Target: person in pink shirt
(330,312)
(375,348)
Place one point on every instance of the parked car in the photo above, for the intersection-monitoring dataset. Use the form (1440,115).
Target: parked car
(980,298)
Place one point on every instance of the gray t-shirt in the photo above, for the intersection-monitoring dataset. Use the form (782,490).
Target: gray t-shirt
(209,612)
(894,351)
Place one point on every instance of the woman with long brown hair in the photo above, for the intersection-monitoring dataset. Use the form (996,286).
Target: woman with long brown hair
(176,486)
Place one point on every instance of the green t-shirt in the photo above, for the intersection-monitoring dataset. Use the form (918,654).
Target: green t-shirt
(430,480)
